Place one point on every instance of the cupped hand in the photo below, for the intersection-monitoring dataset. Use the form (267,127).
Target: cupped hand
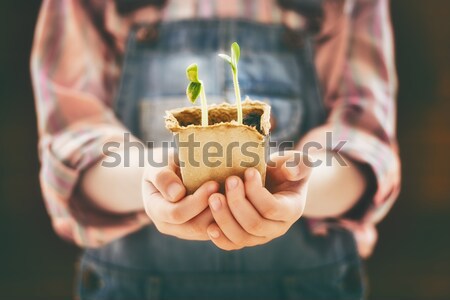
(250,214)
(172,212)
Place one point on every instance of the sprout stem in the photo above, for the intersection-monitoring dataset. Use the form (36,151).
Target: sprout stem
(204,105)
(237,91)
(233,61)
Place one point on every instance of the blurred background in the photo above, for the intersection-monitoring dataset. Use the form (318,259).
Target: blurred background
(412,259)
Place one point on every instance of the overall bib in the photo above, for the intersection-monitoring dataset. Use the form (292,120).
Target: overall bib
(276,66)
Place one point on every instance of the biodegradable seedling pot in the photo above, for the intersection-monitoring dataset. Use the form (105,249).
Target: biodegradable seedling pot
(224,147)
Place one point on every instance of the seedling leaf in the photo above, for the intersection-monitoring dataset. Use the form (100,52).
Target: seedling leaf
(193,91)
(192,73)
(227,58)
(235,53)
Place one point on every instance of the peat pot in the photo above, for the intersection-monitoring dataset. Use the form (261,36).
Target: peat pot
(224,147)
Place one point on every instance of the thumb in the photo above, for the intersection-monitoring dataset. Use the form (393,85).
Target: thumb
(288,166)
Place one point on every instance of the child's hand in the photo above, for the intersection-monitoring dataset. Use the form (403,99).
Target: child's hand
(173,213)
(250,214)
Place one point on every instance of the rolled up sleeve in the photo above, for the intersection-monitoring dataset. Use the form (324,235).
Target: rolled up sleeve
(73,71)
(355,63)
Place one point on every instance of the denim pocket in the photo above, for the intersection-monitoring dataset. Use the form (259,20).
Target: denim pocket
(100,281)
(286,121)
(152,126)
(89,282)
(276,79)
(151,119)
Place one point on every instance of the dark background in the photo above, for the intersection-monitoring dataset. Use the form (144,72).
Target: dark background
(412,259)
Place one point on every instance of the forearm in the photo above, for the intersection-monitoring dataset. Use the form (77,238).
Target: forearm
(114,183)
(115,189)
(333,189)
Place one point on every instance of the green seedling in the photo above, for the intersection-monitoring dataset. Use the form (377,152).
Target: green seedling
(196,88)
(233,61)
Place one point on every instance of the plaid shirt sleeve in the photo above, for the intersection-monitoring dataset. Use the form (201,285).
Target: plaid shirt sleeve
(355,63)
(73,73)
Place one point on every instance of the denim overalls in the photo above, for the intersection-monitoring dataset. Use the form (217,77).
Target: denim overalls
(276,66)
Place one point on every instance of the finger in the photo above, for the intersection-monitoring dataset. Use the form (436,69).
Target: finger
(168,183)
(167,179)
(182,211)
(269,206)
(229,226)
(298,203)
(147,189)
(245,213)
(288,166)
(194,229)
(220,240)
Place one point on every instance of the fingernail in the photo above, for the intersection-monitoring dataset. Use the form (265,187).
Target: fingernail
(215,203)
(232,182)
(212,188)
(250,174)
(294,171)
(174,189)
(214,233)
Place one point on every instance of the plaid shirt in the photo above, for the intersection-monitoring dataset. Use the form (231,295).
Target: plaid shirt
(75,65)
